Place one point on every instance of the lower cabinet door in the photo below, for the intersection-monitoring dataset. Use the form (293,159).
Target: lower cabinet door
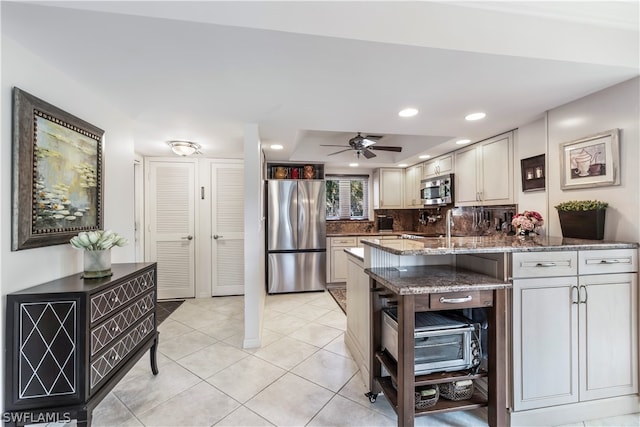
(545,342)
(608,335)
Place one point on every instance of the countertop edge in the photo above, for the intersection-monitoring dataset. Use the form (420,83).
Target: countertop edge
(440,278)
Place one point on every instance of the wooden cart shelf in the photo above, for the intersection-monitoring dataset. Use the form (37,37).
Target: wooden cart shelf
(477,400)
(435,378)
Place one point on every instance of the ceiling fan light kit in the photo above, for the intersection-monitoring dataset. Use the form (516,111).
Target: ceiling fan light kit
(362,145)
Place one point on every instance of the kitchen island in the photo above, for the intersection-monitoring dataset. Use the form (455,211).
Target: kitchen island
(416,273)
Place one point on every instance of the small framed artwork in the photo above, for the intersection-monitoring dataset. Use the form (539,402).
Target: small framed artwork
(591,162)
(57,174)
(533,173)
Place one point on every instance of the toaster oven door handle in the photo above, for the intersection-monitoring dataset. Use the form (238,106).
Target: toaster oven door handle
(444,300)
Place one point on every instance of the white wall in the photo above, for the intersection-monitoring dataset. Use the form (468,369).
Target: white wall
(254,234)
(614,107)
(25,268)
(531,140)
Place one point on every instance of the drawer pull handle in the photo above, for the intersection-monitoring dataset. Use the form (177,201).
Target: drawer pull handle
(546,264)
(114,357)
(114,299)
(115,329)
(444,300)
(614,261)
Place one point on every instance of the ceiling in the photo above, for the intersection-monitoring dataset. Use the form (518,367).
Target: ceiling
(314,73)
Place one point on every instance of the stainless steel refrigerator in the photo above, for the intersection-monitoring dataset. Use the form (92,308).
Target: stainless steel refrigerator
(296,236)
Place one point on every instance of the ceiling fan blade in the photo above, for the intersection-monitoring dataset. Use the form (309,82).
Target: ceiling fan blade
(338,152)
(368,154)
(386,148)
(376,137)
(367,142)
(332,145)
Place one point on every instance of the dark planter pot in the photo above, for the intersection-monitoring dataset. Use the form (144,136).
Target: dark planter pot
(583,224)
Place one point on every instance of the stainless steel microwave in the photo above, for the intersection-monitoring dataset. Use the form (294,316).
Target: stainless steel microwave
(442,343)
(437,191)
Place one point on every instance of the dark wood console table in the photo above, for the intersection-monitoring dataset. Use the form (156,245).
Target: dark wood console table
(417,289)
(71,340)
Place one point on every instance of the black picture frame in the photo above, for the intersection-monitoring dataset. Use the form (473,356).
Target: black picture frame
(57,174)
(533,173)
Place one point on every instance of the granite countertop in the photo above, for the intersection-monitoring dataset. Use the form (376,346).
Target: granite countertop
(433,279)
(488,244)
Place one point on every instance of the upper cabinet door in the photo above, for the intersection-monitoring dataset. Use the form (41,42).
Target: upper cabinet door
(497,170)
(466,177)
(484,172)
(388,188)
(412,178)
(439,166)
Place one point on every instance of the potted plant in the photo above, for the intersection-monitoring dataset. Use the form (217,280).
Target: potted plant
(582,219)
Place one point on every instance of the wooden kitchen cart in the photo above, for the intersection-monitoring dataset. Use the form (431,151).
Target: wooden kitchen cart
(422,288)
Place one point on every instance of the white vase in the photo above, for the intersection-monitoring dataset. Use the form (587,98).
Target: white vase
(97,263)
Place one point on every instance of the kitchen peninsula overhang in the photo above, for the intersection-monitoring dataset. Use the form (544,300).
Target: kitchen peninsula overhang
(430,279)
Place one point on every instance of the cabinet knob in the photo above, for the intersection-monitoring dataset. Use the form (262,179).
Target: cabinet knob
(115,329)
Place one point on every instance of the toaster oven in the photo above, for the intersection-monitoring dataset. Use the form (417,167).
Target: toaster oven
(443,341)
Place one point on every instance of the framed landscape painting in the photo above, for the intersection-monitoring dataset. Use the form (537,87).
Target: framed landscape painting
(57,174)
(593,161)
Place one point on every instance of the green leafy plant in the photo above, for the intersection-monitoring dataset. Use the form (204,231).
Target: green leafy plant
(97,240)
(581,205)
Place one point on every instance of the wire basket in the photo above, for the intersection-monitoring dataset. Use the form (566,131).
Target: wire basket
(456,390)
(426,396)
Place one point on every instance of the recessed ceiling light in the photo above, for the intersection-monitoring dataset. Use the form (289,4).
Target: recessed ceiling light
(408,112)
(424,156)
(276,147)
(475,116)
(353,165)
(463,141)
(403,165)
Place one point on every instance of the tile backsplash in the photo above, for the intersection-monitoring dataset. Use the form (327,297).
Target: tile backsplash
(467,221)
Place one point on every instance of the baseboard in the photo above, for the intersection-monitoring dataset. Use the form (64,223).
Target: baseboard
(577,412)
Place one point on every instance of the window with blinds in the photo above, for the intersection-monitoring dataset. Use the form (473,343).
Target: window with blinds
(347,196)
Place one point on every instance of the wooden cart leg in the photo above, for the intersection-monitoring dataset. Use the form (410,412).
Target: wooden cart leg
(406,363)
(497,411)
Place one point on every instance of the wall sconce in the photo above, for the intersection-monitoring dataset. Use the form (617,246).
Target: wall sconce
(184,148)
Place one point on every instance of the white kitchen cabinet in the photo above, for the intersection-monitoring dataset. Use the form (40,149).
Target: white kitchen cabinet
(574,336)
(439,166)
(608,316)
(337,267)
(357,337)
(484,172)
(412,178)
(388,188)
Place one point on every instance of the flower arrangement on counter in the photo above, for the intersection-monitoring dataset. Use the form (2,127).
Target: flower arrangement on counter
(527,222)
(97,240)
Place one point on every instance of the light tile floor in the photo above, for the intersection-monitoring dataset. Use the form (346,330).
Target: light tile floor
(303,375)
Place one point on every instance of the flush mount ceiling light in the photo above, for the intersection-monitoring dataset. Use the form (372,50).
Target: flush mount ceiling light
(475,116)
(353,165)
(184,148)
(408,112)
(463,141)
(424,156)
(276,147)
(403,165)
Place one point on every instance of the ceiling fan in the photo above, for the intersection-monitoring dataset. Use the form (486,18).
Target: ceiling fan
(363,145)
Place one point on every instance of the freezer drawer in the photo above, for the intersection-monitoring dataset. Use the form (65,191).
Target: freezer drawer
(296,272)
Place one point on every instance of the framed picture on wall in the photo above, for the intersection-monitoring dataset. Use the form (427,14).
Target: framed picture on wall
(593,161)
(57,174)
(533,173)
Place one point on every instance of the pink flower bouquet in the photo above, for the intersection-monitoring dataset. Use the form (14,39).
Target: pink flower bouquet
(527,222)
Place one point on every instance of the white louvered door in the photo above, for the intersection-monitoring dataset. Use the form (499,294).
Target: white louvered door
(171,226)
(227,229)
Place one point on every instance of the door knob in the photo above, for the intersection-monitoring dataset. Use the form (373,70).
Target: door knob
(189,237)
(215,236)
